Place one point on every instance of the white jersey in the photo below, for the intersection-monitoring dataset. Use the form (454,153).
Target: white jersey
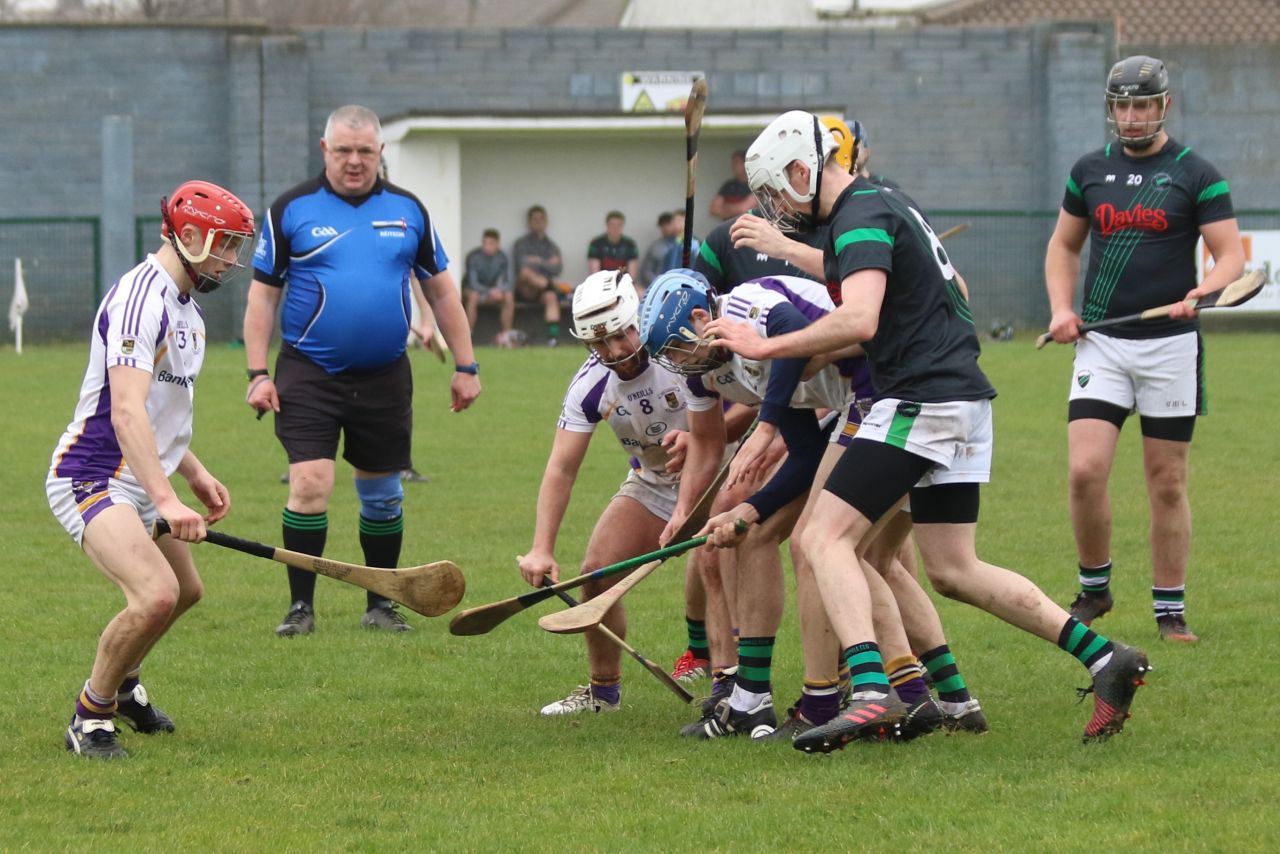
(744,380)
(142,323)
(641,411)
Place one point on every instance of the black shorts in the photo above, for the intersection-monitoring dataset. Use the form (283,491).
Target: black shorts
(372,409)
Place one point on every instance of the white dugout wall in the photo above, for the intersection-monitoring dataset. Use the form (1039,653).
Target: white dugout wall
(478,172)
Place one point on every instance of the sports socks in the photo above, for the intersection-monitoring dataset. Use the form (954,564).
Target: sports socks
(1095,579)
(820,701)
(1169,601)
(755,661)
(90,705)
(1090,648)
(306,533)
(698,638)
(125,691)
(947,680)
(381,542)
(607,689)
(907,678)
(553,331)
(866,671)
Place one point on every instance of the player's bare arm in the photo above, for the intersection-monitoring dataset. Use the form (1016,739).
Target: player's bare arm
(259,321)
(132,425)
(853,322)
(567,452)
(706,449)
(207,488)
(1222,239)
(761,235)
(442,294)
(1061,270)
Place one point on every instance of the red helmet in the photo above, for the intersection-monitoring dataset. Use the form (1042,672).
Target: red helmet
(224,220)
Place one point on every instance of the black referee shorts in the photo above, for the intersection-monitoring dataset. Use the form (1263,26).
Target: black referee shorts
(373,410)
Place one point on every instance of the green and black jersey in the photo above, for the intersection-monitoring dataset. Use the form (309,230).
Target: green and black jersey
(925,349)
(1144,218)
(726,267)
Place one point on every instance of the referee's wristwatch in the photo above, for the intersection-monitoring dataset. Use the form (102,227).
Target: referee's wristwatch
(473,369)
(254,373)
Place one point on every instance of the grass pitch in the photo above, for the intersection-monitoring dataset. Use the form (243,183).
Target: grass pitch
(352,741)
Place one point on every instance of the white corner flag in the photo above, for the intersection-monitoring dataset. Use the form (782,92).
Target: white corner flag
(18,305)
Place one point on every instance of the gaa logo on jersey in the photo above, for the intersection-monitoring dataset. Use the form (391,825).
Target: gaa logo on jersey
(324,231)
(1082,378)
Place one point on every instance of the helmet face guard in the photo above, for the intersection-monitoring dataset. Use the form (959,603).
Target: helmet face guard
(793,136)
(1137,84)
(226,224)
(666,323)
(605,309)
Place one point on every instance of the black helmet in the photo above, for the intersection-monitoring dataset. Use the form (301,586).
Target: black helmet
(1132,79)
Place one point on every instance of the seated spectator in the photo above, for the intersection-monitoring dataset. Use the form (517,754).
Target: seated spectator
(735,196)
(670,226)
(487,281)
(613,250)
(537,263)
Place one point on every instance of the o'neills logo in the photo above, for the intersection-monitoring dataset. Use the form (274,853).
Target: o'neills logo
(1148,219)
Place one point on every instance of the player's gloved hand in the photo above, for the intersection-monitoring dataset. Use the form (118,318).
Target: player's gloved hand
(537,564)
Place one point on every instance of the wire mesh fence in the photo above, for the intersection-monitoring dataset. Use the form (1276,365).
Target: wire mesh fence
(1000,254)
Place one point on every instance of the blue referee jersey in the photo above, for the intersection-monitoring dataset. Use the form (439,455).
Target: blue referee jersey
(347,263)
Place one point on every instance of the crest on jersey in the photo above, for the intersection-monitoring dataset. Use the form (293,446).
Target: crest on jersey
(126,346)
(754,313)
(1082,378)
(657,428)
(672,399)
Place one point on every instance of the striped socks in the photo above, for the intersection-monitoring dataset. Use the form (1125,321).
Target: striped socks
(1090,648)
(866,671)
(1169,601)
(306,533)
(1095,579)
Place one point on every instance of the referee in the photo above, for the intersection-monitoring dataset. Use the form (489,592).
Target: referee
(341,251)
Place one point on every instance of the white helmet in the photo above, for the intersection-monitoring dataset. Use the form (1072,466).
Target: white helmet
(795,135)
(603,305)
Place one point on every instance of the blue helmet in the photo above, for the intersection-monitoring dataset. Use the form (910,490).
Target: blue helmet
(666,324)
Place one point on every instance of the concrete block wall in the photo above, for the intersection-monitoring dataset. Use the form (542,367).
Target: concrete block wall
(974,118)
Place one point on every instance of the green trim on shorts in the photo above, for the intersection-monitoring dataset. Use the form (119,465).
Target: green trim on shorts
(899,427)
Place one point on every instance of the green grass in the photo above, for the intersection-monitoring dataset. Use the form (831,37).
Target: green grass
(349,741)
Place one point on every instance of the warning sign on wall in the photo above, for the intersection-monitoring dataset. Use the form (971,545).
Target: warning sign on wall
(656,91)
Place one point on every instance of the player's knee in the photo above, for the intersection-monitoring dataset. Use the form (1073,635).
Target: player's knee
(156,604)
(189,594)
(380,497)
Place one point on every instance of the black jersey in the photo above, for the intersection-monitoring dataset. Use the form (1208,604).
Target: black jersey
(1144,217)
(726,267)
(925,349)
(613,256)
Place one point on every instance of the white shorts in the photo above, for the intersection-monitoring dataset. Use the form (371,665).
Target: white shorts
(956,436)
(1158,377)
(658,499)
(75,502)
